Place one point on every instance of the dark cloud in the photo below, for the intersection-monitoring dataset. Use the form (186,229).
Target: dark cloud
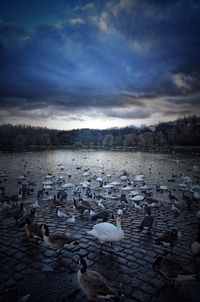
(124,59)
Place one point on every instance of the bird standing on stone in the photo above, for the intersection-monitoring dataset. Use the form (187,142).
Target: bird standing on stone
(147,222)
(171,268)
(170,238)
(94,284)
(57,240)
(195,245)
(107,232)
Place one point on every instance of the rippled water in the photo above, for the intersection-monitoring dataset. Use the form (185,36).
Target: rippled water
(36,165)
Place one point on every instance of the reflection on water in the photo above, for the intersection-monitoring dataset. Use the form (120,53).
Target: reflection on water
(36,165)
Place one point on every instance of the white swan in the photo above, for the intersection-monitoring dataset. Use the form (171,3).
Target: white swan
(107,232)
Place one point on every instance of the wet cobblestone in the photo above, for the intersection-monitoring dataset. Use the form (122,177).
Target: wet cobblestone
(128,265)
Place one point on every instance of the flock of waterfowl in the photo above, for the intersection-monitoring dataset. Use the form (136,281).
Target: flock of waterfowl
(88,200)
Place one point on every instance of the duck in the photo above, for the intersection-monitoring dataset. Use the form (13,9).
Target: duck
(93,284)
(171,268)
(195,245)
(107,232)
(33,230)
(147,222)
(58,240)
(170,237)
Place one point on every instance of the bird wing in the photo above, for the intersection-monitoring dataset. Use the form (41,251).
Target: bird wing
(60,239)
(171,267)
(166,237)
(95,284)
(105,228)
(35,230)
(147,221)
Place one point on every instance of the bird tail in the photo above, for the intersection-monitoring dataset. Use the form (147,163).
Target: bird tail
(140,228)
(117,297)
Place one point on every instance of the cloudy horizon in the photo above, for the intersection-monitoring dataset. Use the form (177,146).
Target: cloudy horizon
(98,64)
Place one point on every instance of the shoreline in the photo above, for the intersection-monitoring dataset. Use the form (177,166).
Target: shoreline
(171,149)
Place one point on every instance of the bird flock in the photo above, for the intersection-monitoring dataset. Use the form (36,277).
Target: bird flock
(104,199)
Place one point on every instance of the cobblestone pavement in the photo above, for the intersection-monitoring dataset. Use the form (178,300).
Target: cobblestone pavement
(128,266)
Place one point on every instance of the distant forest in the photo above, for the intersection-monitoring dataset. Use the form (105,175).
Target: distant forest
(163,136)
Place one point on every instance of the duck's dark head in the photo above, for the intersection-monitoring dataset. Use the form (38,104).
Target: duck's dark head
(157,262)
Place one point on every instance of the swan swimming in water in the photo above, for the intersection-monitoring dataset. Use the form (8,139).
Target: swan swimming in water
(107,232)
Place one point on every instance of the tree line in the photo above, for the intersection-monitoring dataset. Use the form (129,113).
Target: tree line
(182,132)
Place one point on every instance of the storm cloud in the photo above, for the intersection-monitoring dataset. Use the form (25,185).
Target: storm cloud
(125,61)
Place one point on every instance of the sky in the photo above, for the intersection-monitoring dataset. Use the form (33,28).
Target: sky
(98,64)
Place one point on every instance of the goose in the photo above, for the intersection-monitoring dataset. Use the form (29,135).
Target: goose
(33,230)
(94,284)
(80,207)
(107,232)
(32,216)
(172,197)
(171,268)
(17,213)
(146,210)
(57,240)
(195,245)
(198,214)
(147,222)
(104,215)
(170,238)
(56,203)
(187,199)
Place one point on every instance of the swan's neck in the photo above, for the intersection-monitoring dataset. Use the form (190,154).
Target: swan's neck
(118,223)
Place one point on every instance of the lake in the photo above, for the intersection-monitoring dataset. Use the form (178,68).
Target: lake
(36,165)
